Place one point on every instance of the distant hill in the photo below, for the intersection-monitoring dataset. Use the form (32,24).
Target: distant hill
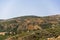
(48,25)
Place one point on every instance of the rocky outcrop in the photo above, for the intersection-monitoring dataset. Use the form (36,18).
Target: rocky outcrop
(53,38)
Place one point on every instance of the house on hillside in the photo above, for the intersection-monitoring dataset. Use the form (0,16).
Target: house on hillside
(3,33)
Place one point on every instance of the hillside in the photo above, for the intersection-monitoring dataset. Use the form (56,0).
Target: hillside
(37,28)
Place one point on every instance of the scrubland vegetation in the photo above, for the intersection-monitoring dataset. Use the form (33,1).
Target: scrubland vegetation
(30,28)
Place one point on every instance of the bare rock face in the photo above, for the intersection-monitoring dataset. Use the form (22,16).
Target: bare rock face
(53,38)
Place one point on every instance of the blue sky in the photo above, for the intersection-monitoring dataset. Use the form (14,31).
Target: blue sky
(16,8)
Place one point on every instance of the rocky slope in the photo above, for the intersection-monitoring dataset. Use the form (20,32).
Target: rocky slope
(48,26)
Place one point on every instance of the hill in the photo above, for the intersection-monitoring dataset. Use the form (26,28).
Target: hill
(39,27)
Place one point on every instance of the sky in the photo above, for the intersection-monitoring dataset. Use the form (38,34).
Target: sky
(17,8)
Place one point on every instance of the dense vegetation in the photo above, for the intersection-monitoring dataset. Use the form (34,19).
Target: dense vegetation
(37,28)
